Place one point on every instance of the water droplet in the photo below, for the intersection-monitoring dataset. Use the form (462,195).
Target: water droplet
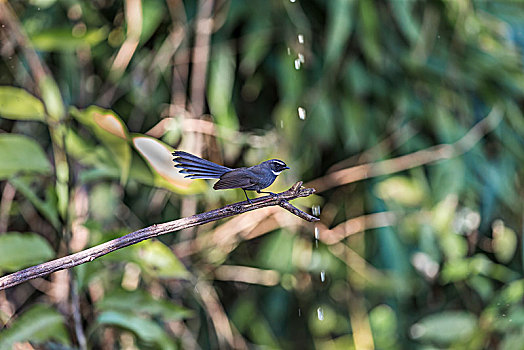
(316,233)
(297,64)
(38,9)
(292,0)
(320,314)
(300,38)
(299,312)
(288,51)
(301,113)
(301,58)
(315,210)
(282,124)
(3,25)
(322,276)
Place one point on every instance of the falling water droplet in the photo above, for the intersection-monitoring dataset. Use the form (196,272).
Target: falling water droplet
(301,39)
(292,0)
(282,124)
(299,312)
(288,51)
(316,233)
(301,113)
(301,58)
(297,64)
(315,210)
(320,314)
(322,276)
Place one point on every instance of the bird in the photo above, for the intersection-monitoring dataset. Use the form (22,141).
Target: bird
(254,178)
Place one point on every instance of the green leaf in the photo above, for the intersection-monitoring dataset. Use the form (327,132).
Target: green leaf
(52,100)
(145,329)
(455,270)
(339,24)
(320,127)
(256,44)
(142,302)
(20,154)
(447,178)
(18,104)
(158,260)
(504,242)
(111,131)
(453,246)
(153,11)
(20,250)
(66,39)
(402,11)
(277,252)
(220,87)
(445,327)
(39,324)
(400,189)
(384,324)
(159,158)
(370,31)
(512,340)
(47,208)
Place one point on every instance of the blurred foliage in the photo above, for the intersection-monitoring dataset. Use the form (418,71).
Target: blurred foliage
(96,97)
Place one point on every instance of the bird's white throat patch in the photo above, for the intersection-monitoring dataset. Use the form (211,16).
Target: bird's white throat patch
(276,172)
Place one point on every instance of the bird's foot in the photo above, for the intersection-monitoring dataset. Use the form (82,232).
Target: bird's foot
(247,197)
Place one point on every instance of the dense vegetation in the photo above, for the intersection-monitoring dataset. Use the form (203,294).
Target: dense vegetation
(405,116)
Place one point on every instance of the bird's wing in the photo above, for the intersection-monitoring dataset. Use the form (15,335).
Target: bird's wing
(238,178)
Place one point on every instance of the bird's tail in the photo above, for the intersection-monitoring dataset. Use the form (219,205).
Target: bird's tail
(198,168)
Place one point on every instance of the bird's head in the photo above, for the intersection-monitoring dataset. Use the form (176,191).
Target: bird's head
(277,166)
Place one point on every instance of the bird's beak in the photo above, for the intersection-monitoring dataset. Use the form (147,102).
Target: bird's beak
(286,167)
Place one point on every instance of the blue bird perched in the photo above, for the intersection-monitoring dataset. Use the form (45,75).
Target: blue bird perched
(254,178)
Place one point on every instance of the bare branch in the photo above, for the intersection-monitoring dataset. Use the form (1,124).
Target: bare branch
(91,254)
(411,160)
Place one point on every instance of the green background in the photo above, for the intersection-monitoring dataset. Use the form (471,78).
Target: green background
(404,115)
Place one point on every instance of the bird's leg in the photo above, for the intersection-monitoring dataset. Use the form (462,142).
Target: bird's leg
(271,193)
(249,200)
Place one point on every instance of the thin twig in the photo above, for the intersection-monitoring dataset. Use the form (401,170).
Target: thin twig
(411,160)
(227,335)
(355,225)
(75,310)
(8,195)
(200,57)
(91,254)
(13,27)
